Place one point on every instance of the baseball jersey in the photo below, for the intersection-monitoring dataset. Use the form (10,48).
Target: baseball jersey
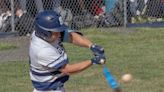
(45,61)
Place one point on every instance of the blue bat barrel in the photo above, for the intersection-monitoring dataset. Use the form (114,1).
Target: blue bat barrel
(110,79)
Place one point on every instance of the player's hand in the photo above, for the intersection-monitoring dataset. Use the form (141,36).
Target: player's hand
(98,60)
(97,50)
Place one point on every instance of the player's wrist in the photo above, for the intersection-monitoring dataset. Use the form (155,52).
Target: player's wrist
(90,45)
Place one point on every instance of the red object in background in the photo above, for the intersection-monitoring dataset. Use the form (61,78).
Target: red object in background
(162,1)
(96,7)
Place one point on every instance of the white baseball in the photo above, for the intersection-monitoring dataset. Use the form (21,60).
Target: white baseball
(127,78)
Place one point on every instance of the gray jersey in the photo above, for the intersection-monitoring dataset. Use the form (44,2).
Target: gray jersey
(45,61)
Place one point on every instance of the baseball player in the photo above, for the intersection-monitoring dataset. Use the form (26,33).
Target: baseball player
(49,64)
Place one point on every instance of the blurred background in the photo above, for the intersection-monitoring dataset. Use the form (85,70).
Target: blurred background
(18,15)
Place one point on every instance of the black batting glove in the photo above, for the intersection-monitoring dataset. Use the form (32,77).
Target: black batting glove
(97,50)
(98,60)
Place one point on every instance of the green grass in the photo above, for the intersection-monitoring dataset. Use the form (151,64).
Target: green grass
(5,46)
(14,77)
(139,53)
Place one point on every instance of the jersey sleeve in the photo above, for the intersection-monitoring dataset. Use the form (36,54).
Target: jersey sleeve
(66,35)
(51,59)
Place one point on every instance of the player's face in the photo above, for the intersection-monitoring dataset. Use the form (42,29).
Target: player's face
(55,36)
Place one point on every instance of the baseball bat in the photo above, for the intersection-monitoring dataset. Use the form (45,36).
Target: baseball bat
(110,79)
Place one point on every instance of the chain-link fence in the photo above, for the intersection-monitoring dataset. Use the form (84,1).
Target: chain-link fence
(76,13)
(145,13)
(18,15)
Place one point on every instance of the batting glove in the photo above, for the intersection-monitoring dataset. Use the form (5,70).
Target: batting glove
(97,50)
(98,60)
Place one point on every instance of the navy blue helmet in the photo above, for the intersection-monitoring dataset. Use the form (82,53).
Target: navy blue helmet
(48,21)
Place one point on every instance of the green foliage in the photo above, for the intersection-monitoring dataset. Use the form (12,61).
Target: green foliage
(5,46)
(137,52)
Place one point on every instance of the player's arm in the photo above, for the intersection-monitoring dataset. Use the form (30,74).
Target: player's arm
(78,67)
(75,68)
(76,38)
(80,40)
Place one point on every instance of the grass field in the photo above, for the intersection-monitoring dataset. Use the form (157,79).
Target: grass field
(4,46)
(138,52)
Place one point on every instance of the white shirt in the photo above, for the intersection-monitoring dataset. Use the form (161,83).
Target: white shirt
(45,61)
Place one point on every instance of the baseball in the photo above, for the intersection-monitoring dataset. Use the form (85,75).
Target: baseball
(127,78)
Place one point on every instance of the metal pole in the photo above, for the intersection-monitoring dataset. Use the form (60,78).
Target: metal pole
(125,13)
(12,16)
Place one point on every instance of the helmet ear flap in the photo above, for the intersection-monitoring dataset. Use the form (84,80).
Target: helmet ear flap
(45,35)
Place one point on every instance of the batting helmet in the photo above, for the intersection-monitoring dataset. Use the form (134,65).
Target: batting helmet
(48,21)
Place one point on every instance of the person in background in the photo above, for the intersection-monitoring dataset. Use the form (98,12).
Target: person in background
(23,4)
(5,21)
(39,5)
(23,23)
(162,8)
